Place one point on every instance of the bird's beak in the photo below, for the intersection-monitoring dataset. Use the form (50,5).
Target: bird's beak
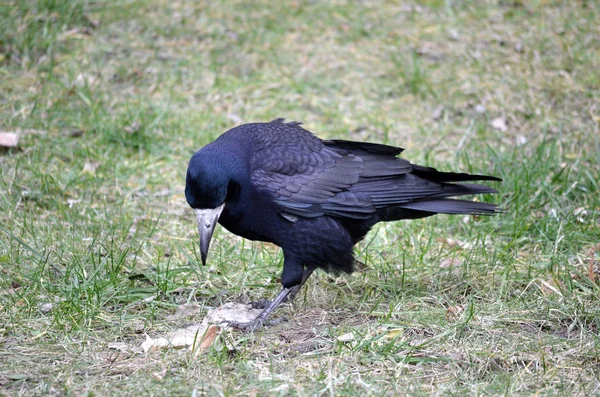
(207,220)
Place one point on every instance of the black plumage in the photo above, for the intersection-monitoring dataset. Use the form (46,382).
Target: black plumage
(314,198)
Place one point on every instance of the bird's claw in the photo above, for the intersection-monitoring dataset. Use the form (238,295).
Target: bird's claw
(263,303)
(249,326)
(255,324)
(260,304)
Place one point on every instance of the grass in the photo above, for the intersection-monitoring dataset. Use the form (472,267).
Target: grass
(98,246)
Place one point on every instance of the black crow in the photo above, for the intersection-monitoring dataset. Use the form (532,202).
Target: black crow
(314,198)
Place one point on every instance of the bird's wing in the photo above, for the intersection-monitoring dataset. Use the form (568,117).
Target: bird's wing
(386,179)
(308,180)
(310,183)
(309,177)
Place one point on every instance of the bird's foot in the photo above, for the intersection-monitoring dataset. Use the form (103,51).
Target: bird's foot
(260,304)
(263,303)
(255,324)
(249,326)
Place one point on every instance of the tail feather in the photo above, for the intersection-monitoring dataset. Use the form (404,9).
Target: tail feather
(452,206)
(434,175)
(451,189)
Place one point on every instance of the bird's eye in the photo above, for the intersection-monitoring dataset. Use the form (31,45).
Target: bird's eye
(233,191)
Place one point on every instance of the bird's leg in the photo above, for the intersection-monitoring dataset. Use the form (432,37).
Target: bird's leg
(289,293)
(264,303)
(295,289)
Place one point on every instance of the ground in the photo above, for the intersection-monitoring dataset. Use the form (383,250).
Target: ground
(98,247)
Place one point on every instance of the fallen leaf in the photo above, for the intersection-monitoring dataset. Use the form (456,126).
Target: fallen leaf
(206,331)
(500,124)
(593,267)
(149,299)
(207,339)
(347,337)
(454,312)
(90,166)
(9,139)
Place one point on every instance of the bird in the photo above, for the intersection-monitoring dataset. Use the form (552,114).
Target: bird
(316,199)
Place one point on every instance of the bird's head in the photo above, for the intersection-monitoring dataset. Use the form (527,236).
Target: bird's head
(210,184)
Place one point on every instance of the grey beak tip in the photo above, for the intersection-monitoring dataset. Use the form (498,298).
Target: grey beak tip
(207,220)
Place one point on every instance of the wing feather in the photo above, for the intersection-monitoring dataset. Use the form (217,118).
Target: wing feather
(308,177)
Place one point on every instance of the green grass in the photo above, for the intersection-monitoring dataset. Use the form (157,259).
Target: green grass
(97,244)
